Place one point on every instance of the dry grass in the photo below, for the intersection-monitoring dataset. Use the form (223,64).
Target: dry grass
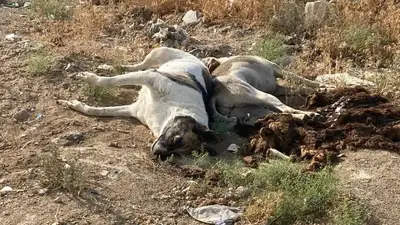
(62,175)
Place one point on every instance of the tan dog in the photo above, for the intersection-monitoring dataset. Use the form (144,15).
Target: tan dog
(250,83)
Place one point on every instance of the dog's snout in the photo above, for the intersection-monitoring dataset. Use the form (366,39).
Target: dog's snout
(160,150)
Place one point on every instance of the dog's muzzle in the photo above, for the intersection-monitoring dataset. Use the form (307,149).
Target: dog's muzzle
(159,150)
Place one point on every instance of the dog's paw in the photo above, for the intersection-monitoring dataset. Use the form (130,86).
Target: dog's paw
(74,104)
(88,77)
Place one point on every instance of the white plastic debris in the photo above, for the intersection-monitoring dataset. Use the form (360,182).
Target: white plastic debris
(233,148)
(213,214)
(13,37)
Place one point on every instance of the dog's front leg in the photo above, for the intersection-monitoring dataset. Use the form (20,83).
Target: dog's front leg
(117,111)
(146,78)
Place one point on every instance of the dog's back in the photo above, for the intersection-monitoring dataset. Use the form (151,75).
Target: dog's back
(256,71)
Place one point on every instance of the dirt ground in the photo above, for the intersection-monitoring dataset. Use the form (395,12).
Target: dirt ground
(126,186)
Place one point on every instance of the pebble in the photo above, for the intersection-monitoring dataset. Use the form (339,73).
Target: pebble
(23,115)
(104,173)
(5,190)
(58,200)
(13,37)
(105,67)
(42,191)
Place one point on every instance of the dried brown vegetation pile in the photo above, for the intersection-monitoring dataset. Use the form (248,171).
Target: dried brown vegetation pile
(350,119)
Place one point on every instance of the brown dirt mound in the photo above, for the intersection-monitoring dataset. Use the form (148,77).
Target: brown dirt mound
(351,118)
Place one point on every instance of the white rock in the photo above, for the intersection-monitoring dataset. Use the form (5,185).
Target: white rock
(105,67)
(190,17)
(27,4)
(67,166)
(13,37)
(6,189)
(342,79)
(233,148)
(316,12)
(42,191)
(104,173)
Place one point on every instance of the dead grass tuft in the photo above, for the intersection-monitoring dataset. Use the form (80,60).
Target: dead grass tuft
(62,175)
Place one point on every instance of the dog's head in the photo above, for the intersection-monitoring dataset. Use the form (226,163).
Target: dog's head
(211,63)
(182,135)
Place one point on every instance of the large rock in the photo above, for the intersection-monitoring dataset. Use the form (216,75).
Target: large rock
(316,13)
(345,79)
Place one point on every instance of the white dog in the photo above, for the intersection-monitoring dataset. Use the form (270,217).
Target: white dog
(171,101)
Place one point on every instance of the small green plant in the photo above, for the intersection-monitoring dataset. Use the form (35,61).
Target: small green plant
(59,174)
(271,48)
(283,194)
(351,212)
(53,9)
(100,94)
(361,38)
(40,64)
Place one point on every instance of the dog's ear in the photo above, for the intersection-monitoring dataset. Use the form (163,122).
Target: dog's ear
(210,136)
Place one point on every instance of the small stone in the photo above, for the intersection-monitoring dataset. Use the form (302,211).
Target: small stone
(5,190)
(105,67)
(13,37)
(2,180)
(58,200)
(190,18)
(67,166)
(5,105)
(114,145)
(74,138)
(242,192)
(104,173)
(27,4)
(23,115)
(42,191)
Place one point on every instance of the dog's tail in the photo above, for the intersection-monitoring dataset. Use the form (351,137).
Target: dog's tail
(292,77)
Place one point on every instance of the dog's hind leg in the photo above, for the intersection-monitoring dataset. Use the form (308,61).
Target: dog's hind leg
(156,57)
(113,111)
(246,94)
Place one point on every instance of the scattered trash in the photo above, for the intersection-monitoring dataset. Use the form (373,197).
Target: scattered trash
(13,37)
(38,116)
(233,148)
(215,214)
(276,153)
